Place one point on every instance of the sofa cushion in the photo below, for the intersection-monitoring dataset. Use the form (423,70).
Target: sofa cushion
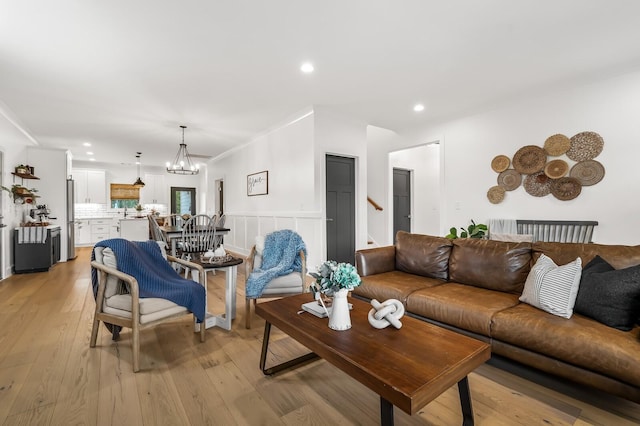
(393,285)
(553,288)
(610,296)
(463,306)
(423,255)
(580,340)
(562,253)
(495,265)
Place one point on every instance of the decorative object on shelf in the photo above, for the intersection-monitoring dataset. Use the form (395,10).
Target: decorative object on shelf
(537,184)
(588,172)
(529,159)
(183,163)
(386,313)
(138,183)
(22,170)
(509,179)
(585,146)
(495,194)
(21,194)
(566,188)
(472,231)
(336,279)
(258,183)
(557,145)
(500,163)
(555,169)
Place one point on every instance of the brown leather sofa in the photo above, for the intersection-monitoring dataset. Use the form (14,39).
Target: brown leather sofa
(472,286)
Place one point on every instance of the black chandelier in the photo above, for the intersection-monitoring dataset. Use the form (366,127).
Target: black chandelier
(183,164)
(138,183)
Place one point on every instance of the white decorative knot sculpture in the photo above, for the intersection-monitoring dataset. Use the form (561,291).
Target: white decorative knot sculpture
(385,313)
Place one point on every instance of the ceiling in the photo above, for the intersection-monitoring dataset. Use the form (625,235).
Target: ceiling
(123,75)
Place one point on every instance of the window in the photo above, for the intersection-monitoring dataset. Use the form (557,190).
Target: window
(183,200)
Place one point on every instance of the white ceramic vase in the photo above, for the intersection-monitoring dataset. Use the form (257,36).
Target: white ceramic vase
(340,318)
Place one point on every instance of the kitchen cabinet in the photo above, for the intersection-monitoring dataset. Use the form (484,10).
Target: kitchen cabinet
(90,186)
(100,229)
(34,256)
(155,190)
(82,232)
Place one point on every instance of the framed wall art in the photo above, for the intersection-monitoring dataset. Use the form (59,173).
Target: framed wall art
(258,183)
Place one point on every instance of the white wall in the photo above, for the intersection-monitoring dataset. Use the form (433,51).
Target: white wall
(286,152)
(609,107)
(13,144)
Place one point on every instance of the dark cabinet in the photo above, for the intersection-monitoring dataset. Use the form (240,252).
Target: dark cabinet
(36,256)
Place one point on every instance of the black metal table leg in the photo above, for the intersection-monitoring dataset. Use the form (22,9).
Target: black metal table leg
(288,364)
(386,412)
(465,402)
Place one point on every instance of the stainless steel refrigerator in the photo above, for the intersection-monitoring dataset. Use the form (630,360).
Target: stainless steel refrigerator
(71,240)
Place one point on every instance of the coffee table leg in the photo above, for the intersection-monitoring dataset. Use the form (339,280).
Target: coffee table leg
(288,364)
(386,412)
(465,402)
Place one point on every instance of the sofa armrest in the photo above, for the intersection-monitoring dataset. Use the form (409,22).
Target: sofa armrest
(376,260)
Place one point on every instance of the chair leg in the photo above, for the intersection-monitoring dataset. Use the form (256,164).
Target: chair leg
(94,332)
(247,313)
(136,347)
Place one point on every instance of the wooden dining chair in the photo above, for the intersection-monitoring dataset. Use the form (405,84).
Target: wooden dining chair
(198,236)
(156,232)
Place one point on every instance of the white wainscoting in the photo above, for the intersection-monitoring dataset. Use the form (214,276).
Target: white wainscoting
(245,227)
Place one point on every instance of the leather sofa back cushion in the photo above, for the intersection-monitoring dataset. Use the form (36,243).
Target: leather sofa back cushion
(423,255)
(495,265)
(619,257)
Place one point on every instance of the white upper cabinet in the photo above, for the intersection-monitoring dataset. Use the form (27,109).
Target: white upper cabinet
(90,186)
(155,190)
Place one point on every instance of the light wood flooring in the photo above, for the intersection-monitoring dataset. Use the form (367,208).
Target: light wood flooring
(50,376)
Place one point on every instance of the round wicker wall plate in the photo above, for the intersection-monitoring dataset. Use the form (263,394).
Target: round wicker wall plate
(537,184)
(509,179)
(495,194)
(529,159)
(585,146)
(566,188)
(557,145)
(500,163)
(556,169)
(587,172)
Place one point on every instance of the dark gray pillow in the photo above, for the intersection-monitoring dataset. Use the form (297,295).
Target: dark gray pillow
(610,296)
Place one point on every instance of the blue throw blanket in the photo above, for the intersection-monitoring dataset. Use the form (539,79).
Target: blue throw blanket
(281,256)
(156,278)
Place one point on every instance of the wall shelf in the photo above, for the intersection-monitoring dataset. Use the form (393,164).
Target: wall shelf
(25,176)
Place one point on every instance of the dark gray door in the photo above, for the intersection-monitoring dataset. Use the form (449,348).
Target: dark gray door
(401,201)
(341,209)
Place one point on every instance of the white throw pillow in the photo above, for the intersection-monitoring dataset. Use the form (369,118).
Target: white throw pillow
(553,288)
(260,244)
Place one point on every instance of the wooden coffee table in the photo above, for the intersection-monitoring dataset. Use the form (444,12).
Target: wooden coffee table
(408,367)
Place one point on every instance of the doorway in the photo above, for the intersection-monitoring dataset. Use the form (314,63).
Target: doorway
(341,208)
(183,200)
(219,197)
(425,163)
(401,201)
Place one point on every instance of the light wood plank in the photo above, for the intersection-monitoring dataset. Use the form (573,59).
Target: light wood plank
(50,376)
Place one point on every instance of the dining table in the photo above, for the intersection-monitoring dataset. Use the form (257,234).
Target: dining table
(173,233)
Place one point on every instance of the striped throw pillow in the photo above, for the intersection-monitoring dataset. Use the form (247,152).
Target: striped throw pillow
(553,288)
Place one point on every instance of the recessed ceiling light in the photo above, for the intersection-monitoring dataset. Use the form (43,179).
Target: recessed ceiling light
(86,144)
(418,108)
(307,67)
(92,159)
(89,153)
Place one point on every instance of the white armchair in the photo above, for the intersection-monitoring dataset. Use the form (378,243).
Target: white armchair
(285,285)
(118,302)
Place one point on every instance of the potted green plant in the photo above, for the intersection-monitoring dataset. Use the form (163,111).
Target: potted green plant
(472,231)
